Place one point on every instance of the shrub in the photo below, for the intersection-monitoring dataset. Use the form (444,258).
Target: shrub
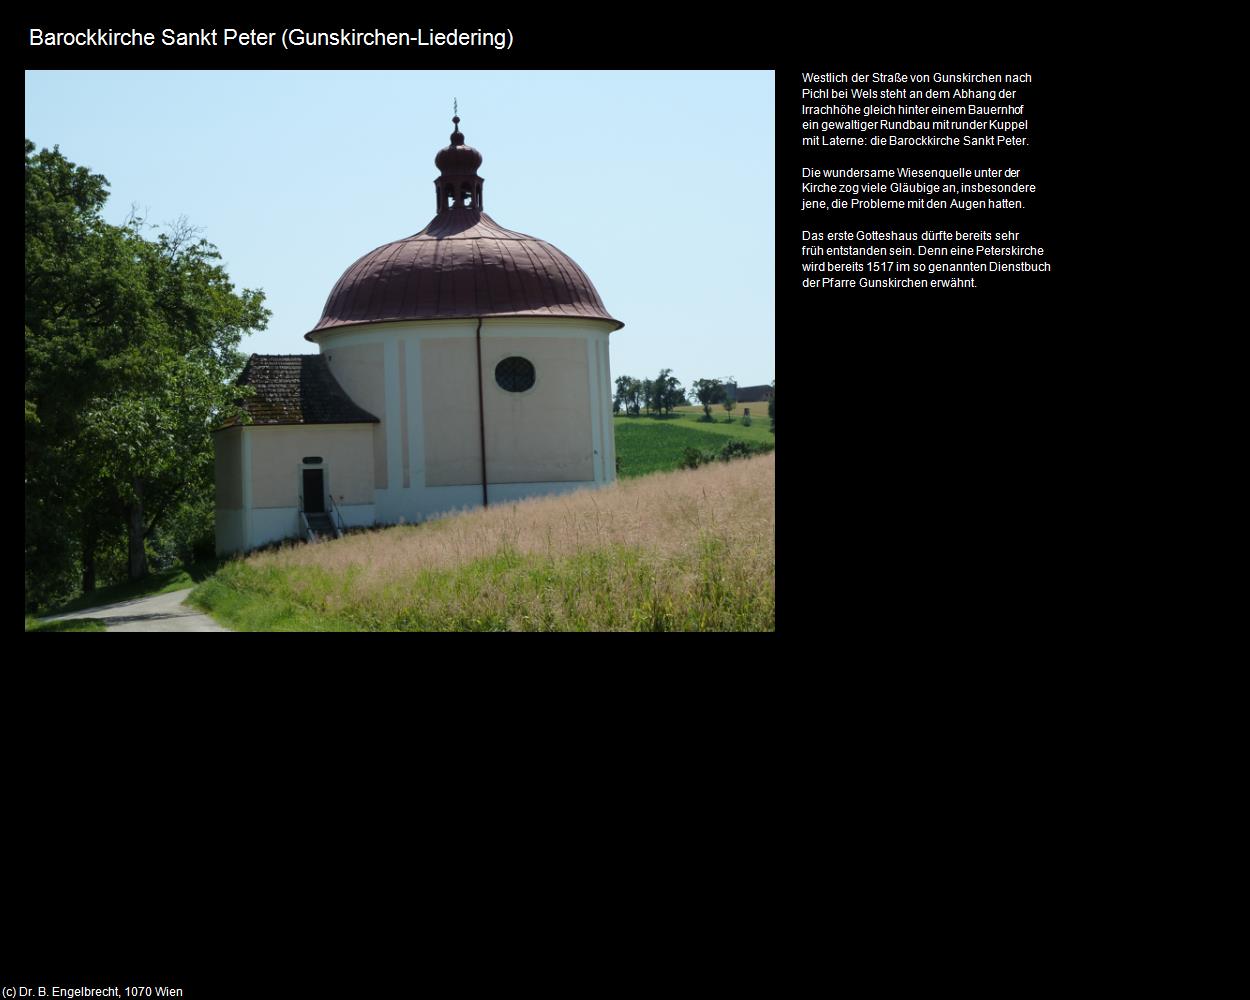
(736,449)
(692,458)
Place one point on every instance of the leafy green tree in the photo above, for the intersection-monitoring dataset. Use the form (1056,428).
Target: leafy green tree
(635,397)
(151,432)
(666,392)
(707,391)
(629,394)
(728,401)
(131,349)
(80,298)
(647,394)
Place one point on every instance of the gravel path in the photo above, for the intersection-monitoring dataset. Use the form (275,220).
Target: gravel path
(160,613)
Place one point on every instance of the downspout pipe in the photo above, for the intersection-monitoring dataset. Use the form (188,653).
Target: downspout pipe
(481,409)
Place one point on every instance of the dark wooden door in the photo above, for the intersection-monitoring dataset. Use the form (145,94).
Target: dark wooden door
(314,491)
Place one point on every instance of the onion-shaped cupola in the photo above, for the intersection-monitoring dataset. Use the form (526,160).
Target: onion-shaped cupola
(458,185)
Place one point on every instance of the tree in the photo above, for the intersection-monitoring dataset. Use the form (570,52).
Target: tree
(707,391)
(729,402)
(82,296)
(666,392)
(634,396)
(131,349)
(173,385)
(629,393)
(647,394)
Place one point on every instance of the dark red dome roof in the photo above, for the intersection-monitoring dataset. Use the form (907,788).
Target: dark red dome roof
(462,265)
(458,158)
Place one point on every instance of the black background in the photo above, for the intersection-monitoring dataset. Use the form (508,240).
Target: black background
(932,455)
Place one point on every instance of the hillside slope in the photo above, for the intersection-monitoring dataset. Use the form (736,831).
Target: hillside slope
(686,550)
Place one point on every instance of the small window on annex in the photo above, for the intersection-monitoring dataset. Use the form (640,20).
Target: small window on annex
(514,374)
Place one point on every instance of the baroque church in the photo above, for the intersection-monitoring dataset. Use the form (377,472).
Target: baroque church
(463,366)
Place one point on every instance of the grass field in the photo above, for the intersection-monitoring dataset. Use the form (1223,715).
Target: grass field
(655,444)
(682,551)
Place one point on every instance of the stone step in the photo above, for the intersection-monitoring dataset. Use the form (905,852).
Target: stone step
(321,524)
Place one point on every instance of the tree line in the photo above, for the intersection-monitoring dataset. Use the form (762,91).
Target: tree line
(131,349)
(664,393)
(656,395)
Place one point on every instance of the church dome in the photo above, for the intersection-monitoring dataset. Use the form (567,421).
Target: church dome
(462,265)
(458,158)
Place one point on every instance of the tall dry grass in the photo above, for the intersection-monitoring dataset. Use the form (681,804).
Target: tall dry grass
(682,550)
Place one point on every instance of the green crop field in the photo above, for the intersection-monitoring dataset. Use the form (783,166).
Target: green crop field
(655,444)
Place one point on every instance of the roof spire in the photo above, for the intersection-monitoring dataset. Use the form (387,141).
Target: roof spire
(457,137)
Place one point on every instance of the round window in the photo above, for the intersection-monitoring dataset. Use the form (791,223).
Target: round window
(514,374)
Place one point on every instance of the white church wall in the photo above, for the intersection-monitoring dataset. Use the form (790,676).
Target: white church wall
(277,457)
(230,488)
(359,515)
(607,431)
(435,372)
(420,505)
(240,531)
(231,531)
(449,404)
(546,433)
(423,505)
(228,467)
(360,370)
(596,416)
(272,524)
(508,492)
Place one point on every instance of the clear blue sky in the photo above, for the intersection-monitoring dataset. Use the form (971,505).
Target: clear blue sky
(660,185)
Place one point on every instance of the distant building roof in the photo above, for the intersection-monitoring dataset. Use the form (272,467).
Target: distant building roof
(753,393)
(297,389)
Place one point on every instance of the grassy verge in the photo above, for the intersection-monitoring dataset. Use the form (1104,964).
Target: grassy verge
(175,578)
(687,551)
(609,590)
(71,625)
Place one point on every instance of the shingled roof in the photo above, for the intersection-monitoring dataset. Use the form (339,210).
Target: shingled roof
(297,389)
